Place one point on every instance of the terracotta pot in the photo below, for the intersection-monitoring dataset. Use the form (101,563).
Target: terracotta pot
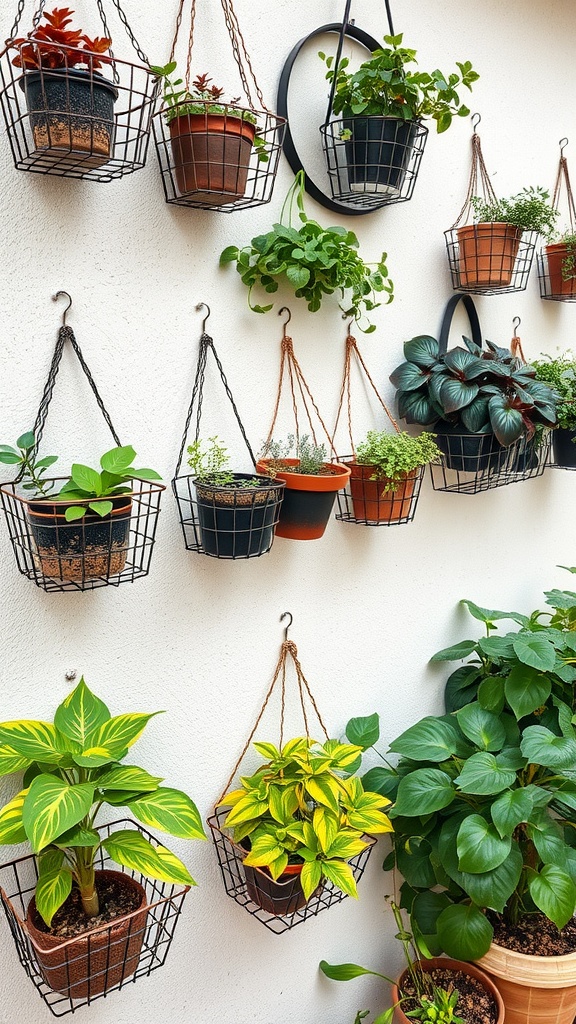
(445,962)
(308,498)
(555,256)
(535,989)
(370,500)
(71,112)
(92,963)
(94,546)
(487,254)
(211,154)
(563,442)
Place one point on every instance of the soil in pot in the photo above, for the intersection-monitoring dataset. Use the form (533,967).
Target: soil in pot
(211,154)
(308,498)
(555,256)
(82,957)
(378,153)
(71,112)
(468,453)
(237,521)
(478,999)
(564,445)
(487,254)
(370,500)
(91,547)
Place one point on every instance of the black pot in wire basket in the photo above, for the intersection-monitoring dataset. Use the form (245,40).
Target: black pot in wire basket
(477,462)
(234,520)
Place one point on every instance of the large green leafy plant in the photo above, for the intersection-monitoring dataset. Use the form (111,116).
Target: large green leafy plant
(384,86)
(481,390)
(485,796)
(72,768)
(312,260)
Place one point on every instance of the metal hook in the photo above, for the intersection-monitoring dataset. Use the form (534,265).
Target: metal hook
(65,313)
(285,309)
(283,616)
(198,308)
(349,325)
(563,143)
(516,324)
(476,122)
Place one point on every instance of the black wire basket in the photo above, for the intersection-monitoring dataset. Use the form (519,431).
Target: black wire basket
(87,553)
(211,161)
(75,972)
(365,502)
(477,462)
(491,258)
(279,905)
(557,273)
(77,123)
(373,161)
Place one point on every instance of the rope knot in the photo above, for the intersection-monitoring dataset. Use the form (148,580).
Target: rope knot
(289,647)
(287,345)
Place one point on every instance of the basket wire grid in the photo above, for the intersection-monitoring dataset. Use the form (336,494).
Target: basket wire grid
(554,284)
(490,259)
(364,502)
(87,553)
(488,465)
(164,904)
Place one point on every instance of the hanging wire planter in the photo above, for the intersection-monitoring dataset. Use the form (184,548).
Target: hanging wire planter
(214,154)
(479,463)
(62,114)
(487,258)
(557,260)
(74,973)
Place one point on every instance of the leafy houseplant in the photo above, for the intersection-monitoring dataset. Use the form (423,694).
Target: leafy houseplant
(237,512)
(385,470)
(72,768)
(314,261)
(311,484)
(560,373)
(71,105)
(561,263)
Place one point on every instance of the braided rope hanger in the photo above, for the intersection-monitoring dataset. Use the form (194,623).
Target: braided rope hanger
(352,352)
(478,176)
(563,178)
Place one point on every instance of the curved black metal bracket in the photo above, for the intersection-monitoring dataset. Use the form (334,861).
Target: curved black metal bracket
(290,150)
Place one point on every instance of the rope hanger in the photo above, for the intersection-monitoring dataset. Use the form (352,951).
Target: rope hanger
(352,352)
(563,178)
(478,176)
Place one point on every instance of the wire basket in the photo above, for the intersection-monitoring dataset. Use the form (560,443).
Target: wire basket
(87,553)
(229,522)
(365,502)
(279,906)
(477,462)
(77,123)
(556,273)
(373,161)
(210,161)
(490,259)
(88,967)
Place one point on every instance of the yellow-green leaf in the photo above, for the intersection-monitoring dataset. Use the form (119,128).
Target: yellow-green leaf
(341,875)
(52,888)
(129,778)
(12,829)
(325,825)
(80,714)
(324,791)
(133,851)
(111,740)
(37,741)
(245,810)
(311,877)
(52,807)
(370,821)
(11,761)
(171,811)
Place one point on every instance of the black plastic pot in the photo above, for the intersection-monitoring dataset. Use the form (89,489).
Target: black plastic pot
(90,547)
(282,897)
(71,112)
(378,152)
(564,447)
(466,452)
(238,522)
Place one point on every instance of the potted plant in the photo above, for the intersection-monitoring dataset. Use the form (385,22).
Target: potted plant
(72,767)
(479,400)
(311,484)
(487,249)
(560,373)
(313,261)
(384,473)
(237,512)
(383,105)
(71,105)
(80,529)
(561,261)
(211,138)
(298,820)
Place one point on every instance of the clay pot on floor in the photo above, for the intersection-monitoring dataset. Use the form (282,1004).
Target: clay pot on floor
(370,500)
(555,256)
(535,989)
(487,254)
(71,112)
(211,154)
(96,961)
(446,963)
(94,546)
(308,498)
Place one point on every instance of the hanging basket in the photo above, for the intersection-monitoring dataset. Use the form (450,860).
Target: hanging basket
(88,122)
(477,462)
(72,973)
(557,260)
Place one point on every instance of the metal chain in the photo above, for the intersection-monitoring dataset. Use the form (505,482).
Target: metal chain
(39,13)
(237,40)
(17,20)
(130,33)
(108,35)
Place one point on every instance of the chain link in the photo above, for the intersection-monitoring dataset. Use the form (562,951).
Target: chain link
(17,20)
(130,33)
(39,13)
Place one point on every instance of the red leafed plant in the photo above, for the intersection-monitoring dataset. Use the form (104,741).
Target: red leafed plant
(43,47)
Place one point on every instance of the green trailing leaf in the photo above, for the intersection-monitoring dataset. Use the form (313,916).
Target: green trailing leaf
(482,727)
(511,809)
(131,850)
(554,893)
(463,649)
(430,739)
(53,888)
(423,791)
(541,746)
(482,775)
(493,889)
(526,689)
(364,732)
(535,651)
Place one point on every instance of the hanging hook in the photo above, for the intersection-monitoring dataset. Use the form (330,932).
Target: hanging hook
(198,308)
(516,324)
(65,313)
(476,118)
(349,325)
(283,616)
(563,143)
(285,309)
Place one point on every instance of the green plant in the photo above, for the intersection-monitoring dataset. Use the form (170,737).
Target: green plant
(567,238)
(311,456)
(33,470)
(208,464)
(383,86)
(305,805)
(314,261)
(90,486)
(480,390)
(393,455)
(72,768)
(485,795)
(529,210)
(559,373)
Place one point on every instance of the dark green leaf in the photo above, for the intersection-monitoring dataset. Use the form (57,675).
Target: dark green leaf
(364,732)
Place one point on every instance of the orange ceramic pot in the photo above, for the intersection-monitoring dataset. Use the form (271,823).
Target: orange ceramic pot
(555,256)
(535,989)
(445,962)
(487,254)
(308,498)
(211,154)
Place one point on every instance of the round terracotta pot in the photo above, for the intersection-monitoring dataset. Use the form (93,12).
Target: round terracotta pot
(487,254)
(445,962)
(370,500)
(96,961)
(555,255)
(535,989)
(280,897)
(94,546)
(211,154)
(308,498)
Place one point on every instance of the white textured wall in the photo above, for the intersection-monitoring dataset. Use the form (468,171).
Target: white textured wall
(200,637)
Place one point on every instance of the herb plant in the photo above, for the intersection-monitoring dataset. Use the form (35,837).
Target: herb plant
(72,767)
(47,45)
(311,456)
(529,210)
(208,466)
(560,374)
(384,87)
(567,238)
(393,455)
(33,469)
(314,261)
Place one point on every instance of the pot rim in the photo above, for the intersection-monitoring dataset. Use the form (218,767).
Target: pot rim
(60,515)
(86,75)
(268,483)
(472,968)
(311,481)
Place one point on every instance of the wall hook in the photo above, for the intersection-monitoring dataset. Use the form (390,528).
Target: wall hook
(348,325)
(285,309)
(516,324)
(563,143)
(283,616)
(71,674)
(198,308)
(65,313)
(476,118)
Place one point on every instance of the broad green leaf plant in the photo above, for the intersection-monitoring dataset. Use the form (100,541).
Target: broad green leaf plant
(72,768)
(305,805)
